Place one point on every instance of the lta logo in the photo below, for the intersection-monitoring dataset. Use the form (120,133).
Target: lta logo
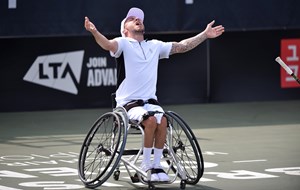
(59,71)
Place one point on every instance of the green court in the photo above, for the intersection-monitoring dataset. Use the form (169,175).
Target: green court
(245,146)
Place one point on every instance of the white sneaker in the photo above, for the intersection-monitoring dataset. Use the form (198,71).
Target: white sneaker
(148,168)
(163,177)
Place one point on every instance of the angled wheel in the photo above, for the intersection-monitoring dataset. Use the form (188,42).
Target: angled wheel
(102,149)
(186,148)
(194,139)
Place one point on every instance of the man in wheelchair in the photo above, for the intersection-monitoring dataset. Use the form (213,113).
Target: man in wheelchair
(136,91)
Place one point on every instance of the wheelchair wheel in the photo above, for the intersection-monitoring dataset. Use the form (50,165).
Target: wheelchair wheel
(194,138)
(102,149)
(186,148)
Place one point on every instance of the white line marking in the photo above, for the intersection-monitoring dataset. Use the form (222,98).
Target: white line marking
(107,184)
(243,161)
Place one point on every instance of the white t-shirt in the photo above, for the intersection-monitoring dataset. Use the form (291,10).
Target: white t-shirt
(141,65)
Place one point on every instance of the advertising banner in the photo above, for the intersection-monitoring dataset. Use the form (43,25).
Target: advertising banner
(47,73)
(75,72)
(290,54)
(55,73)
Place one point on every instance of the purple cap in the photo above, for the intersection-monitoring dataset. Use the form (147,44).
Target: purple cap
(136,12)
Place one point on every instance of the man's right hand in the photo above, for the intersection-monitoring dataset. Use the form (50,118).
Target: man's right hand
(109,45)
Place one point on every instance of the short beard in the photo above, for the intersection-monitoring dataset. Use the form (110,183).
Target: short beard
(139,32)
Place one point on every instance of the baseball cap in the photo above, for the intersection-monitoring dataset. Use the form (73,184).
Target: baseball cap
(134,11)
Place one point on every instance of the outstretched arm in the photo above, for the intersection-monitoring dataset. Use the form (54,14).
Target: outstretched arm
(190,43)
(109,45)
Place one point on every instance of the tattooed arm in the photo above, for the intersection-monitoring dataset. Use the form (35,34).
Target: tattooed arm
(191,43)
(188,44)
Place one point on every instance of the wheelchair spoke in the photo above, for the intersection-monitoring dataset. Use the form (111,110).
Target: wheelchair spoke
(185,148)
(101,149)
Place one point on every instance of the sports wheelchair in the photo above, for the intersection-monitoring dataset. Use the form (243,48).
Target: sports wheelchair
(105,149)
(108,146)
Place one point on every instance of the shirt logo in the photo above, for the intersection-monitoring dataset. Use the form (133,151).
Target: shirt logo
(58,71)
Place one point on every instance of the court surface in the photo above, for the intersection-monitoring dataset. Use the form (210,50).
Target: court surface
(245,146)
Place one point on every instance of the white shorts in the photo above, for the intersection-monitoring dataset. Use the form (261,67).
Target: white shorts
(136,113)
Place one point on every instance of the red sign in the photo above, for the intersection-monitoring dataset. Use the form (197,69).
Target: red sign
(290,54)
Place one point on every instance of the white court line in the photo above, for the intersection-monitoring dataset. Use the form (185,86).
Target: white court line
(107,184)
(244,161)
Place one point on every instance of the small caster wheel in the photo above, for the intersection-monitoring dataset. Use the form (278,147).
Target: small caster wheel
(151,186)
(182,184)
(116,175)
(135,178)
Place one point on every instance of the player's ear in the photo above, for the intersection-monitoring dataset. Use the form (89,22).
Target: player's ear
(125,31)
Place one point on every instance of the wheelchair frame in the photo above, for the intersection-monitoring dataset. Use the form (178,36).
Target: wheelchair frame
(103,151)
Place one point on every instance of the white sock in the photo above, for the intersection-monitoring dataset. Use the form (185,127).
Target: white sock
(157,157)
(147,155)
